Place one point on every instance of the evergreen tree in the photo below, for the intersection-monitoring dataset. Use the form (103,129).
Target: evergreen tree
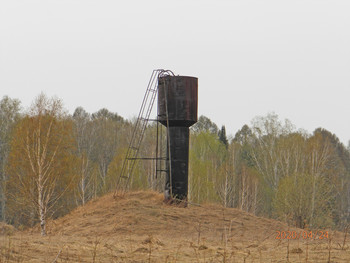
(222,136)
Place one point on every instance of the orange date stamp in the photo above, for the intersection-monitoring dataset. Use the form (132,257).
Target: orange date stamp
(304,234)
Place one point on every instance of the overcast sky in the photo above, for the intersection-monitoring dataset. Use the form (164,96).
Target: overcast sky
(251,57)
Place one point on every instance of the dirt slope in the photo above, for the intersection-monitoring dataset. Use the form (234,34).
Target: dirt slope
(141,228)
(144,213)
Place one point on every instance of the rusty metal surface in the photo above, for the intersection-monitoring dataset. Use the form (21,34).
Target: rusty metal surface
(177,109)
(179,146)
(181,95)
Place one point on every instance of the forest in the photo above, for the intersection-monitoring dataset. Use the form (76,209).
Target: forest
(52,162)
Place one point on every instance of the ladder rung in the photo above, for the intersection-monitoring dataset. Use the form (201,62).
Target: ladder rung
(146,158)
(140,127)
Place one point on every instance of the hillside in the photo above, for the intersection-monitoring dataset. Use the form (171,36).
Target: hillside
(141,228)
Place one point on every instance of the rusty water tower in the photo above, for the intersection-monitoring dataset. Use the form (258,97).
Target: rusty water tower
(177,110)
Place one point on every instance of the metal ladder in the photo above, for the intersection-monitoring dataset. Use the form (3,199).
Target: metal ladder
(138,132)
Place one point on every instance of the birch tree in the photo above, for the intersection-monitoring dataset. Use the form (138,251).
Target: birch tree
(107,133)
(306,194)
(9,115)
(206,159)
(339,176)
(265,151)
(204,124)
(84,133)
(320,158)
(40,156)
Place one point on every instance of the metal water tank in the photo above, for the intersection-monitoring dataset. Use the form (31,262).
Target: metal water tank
(177,100)
(178,96)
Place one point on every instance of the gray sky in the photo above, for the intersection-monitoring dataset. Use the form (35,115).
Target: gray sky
(251,57)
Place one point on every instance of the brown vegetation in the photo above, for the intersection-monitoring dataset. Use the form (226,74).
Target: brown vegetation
(139,227)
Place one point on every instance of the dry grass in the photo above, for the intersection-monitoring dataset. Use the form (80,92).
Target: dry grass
(141,228)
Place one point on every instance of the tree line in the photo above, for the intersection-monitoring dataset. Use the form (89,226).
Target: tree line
(269,168)
(52,162)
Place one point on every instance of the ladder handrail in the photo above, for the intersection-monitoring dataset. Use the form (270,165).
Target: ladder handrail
(140,127)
